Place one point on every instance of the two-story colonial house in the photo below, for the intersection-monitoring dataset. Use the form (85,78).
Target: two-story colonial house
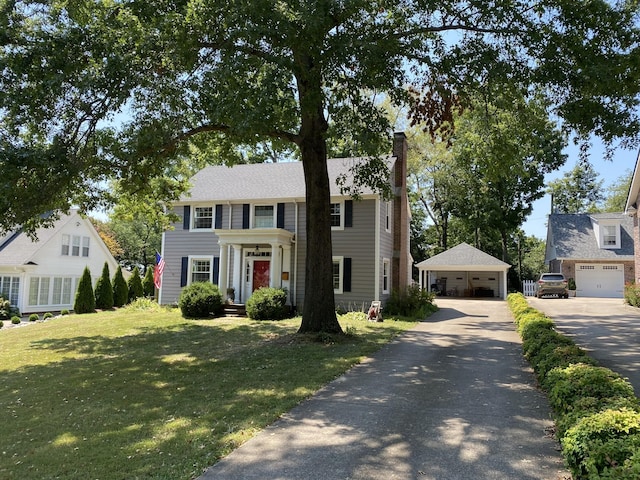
(244,227)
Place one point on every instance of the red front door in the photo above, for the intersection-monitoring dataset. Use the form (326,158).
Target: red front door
(261,274)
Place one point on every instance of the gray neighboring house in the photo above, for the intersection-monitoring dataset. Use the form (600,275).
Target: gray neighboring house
(464,271)
(244,227)
(595,249)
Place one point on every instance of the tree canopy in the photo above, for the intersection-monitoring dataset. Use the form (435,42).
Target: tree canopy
(578,191)
(214,78)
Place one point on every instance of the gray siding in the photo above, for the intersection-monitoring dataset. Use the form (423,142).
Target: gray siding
(180,243)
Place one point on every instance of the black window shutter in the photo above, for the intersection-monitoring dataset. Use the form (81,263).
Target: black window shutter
(348,213)
(280,216)
(346,275)
(218,223)
(184,271)
(245,215)
(216,270)
(186,218)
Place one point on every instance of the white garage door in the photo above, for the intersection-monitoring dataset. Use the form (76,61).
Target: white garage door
(599,280)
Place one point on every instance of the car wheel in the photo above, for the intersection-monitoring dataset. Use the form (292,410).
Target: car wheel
(566,295)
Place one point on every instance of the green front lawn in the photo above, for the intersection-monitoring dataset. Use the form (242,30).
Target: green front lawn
(137,394)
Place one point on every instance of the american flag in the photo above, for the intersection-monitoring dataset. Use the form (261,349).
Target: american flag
(157,273)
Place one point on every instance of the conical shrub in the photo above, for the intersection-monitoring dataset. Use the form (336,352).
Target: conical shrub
(104,290)
(148,287)
(120,289)
(85,300)
(135,285)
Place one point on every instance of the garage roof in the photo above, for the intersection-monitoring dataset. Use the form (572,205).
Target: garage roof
(464,257)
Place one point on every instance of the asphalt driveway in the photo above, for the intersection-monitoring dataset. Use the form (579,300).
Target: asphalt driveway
(606,327)
(451,399)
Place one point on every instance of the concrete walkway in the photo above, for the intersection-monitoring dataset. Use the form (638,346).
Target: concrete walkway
(451,399)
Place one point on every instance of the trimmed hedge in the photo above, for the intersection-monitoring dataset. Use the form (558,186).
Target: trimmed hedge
(199,300)
(268,303)
(596,411)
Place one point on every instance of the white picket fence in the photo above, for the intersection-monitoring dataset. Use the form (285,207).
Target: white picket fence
(529,288)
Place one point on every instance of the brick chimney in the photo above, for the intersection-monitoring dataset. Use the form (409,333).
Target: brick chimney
(401,262)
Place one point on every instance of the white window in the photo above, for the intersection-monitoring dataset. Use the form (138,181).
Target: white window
(338,266)
(75,245)
(386,272)
(9,288)
(66,242)
(337,215)
(263,216)
(62,291)
(39,291)
(609,236)
(202,218)
(387,217)
(201,270)
(85,246)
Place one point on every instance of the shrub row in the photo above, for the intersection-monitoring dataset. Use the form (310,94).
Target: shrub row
(596,411)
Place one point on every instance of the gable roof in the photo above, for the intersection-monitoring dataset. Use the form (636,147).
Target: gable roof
(571,236)
(463,257)
(17,248)
(261,181)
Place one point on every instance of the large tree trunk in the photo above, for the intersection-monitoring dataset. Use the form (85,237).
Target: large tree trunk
(318,313)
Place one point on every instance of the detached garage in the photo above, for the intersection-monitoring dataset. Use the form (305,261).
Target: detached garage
(464,271)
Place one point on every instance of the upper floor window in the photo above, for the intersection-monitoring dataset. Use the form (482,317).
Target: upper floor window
(202,218)
(336,215)
(263,216)
(75,245)
(610,236)
(387,217)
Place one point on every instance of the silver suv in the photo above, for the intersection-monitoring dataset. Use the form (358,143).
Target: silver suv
(552,284)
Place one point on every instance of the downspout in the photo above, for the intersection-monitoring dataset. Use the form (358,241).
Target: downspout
(376,253)
(294,273)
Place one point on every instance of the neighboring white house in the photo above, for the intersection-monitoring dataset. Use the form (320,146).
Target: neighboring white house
(464,271)
(42,276)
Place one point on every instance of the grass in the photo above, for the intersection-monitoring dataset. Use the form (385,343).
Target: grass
(137,394)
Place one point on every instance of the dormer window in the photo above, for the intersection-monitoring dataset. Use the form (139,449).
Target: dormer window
(609,236)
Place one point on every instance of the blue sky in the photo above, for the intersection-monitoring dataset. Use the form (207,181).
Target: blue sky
(609,171)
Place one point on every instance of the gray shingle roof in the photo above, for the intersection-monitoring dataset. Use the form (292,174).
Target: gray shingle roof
(463,255)
(573,237)
(263,181)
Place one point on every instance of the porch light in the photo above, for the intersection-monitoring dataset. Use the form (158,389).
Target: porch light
(257,250)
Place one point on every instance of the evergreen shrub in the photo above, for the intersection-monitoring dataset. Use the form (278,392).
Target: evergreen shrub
(135,285)
(16,320)
(34,317)
(85,300)
(148,287)
(120,289)
(47,316)
(199,300)
(411,302)
(104,290)
(268,303)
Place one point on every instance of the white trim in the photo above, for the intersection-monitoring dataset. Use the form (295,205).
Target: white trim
(340,261)
(252,216)
(376,252)
(192,219)
(340,203)
(388,216)
(209,258)
(386,273)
